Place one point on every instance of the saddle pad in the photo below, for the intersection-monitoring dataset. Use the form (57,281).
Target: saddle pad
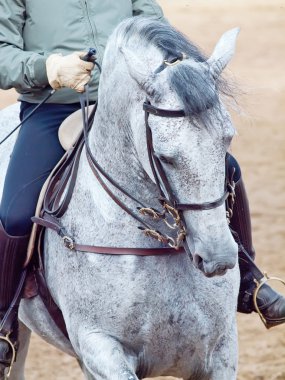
(71,128)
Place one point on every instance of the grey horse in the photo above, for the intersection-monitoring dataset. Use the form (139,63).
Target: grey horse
(130,317)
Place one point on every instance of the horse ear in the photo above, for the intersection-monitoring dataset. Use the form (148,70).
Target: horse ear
(223,52)
(137,69)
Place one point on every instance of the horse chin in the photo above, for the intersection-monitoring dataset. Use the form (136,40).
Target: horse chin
(216,273)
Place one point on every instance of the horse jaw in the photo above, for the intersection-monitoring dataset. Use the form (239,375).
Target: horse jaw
(223,52)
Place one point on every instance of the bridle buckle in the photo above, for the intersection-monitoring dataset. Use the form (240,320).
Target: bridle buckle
(68,242)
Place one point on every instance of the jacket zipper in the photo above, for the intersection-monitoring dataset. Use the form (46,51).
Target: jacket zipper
(92,28)
(89,21)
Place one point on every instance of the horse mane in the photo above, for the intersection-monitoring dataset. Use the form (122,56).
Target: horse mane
(194,87)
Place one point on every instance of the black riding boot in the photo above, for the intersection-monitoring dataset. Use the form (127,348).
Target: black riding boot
(270,303)
(12,256)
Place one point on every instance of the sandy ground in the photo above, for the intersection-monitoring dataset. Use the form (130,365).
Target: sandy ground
(258,68)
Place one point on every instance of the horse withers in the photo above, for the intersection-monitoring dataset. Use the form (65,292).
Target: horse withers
(128,316)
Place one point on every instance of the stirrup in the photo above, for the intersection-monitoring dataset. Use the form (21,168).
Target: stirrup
(259,284)
(6,338)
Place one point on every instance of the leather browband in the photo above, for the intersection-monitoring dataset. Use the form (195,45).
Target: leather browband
(162,112)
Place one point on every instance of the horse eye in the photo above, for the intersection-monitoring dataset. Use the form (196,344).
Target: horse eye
(166,160)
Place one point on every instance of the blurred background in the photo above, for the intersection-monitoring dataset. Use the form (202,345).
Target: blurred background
(258,69)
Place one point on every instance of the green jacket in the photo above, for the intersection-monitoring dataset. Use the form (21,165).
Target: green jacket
(30,30)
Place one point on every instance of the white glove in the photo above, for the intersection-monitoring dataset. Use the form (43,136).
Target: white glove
(68,71)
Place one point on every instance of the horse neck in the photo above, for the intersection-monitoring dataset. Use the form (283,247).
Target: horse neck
(112,143)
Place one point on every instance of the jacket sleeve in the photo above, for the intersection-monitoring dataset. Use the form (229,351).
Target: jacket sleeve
(18,68)
(147,8)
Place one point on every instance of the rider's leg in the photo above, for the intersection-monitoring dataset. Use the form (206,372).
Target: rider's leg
(270,303)
(36,152)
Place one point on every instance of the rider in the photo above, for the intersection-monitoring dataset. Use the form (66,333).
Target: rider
(39,43)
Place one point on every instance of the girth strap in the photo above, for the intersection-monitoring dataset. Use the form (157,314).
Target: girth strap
(48,301)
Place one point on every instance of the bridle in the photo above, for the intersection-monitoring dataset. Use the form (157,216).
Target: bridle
(157,169)
(156,166)
(167,197)
(172,213)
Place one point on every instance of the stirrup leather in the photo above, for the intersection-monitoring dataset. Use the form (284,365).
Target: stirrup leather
(6,338)
(259,284)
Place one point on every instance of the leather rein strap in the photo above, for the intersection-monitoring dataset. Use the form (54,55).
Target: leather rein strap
(51,222)
(147,228)
(62,186)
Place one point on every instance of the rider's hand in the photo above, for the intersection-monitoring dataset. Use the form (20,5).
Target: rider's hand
(68,71)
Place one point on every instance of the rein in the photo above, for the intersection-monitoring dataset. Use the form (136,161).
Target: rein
(98,171)
(63,182)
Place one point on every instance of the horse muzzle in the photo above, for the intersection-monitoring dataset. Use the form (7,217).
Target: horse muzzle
(217,267)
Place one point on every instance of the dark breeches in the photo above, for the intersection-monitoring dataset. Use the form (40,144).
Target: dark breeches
(36,152)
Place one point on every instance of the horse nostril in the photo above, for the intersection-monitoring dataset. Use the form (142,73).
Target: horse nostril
(221,270)
(198,261)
